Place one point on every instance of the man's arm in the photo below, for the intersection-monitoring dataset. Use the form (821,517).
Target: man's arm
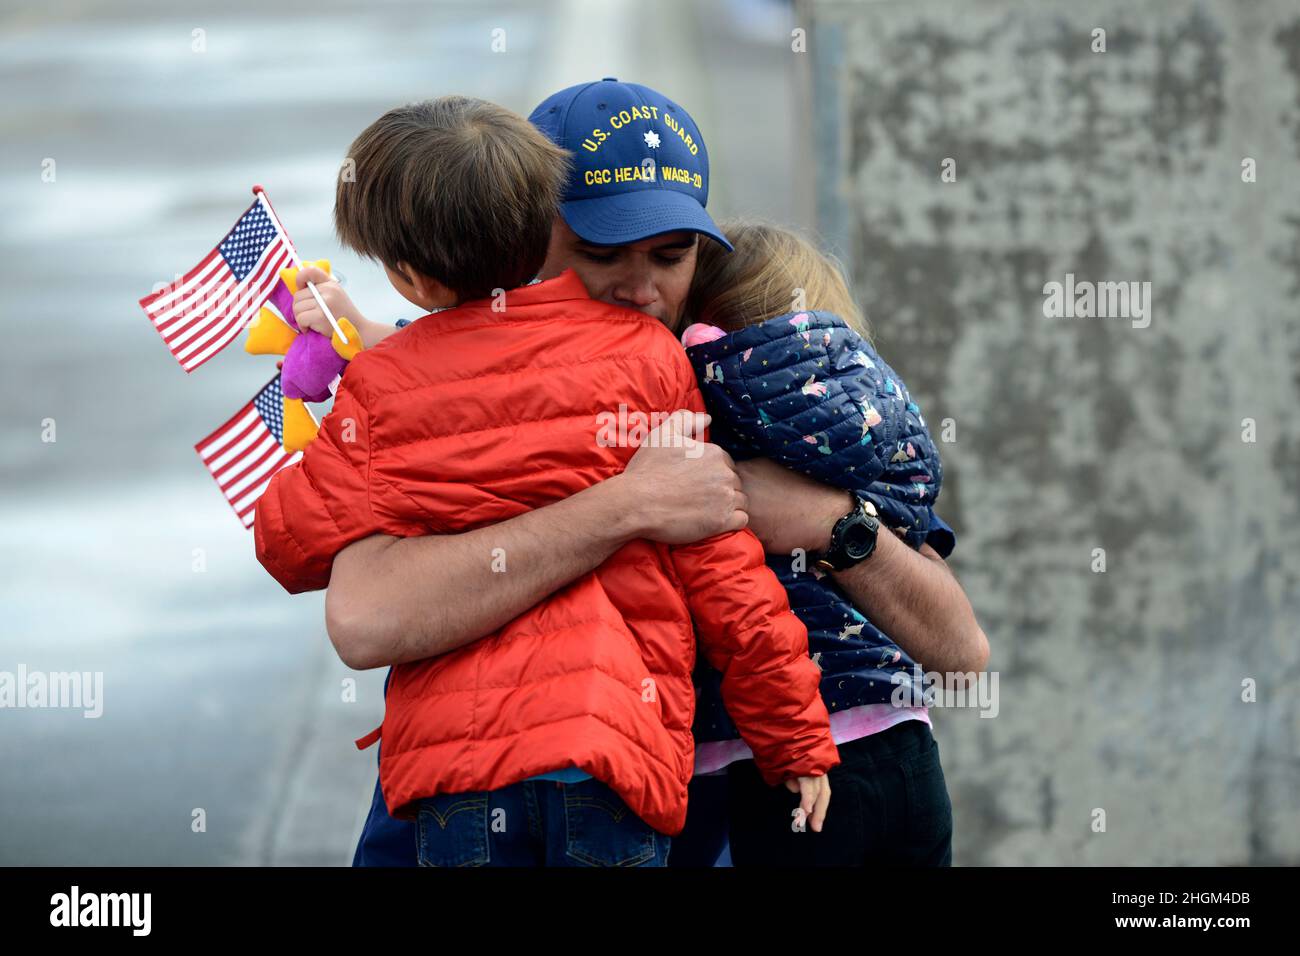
(911,596)
(393,600)
(916,599)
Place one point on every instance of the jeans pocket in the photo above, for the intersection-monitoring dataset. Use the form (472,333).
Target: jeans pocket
(600,829)
(453,830)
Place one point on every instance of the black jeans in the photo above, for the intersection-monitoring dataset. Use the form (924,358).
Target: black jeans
(889,807)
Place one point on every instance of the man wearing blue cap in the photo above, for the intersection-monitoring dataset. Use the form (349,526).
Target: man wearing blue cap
(628,226)
(636,200)
(640,166)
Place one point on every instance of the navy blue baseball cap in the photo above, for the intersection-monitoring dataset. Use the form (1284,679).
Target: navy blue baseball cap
(640,168)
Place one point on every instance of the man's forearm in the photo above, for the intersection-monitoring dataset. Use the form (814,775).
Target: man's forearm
(393,600)
(918,602)
(911,596)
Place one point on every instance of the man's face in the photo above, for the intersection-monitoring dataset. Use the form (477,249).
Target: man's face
(650,276)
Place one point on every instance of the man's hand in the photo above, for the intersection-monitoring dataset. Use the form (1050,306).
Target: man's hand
(788,510)
(680,490)
(814,798)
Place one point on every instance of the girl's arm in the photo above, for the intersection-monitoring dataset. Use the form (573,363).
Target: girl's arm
(910,595)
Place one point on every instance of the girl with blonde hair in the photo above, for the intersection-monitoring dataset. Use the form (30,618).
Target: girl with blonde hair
(788,372)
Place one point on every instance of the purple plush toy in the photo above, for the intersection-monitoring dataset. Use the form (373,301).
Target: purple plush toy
(311,361)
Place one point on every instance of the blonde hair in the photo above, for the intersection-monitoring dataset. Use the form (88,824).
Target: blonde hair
(762,278)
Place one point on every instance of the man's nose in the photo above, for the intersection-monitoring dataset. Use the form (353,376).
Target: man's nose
(636,289)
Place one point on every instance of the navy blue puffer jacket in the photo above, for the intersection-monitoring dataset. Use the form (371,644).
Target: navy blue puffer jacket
(808,392)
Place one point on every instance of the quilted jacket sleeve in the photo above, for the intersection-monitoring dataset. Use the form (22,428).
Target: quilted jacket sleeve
(941,537)
(811,394)
(313,509)
(770,686)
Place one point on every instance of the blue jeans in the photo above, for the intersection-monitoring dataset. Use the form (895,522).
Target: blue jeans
(536,823)
(385,840)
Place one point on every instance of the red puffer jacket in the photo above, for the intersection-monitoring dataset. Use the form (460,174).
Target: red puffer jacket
(470,417)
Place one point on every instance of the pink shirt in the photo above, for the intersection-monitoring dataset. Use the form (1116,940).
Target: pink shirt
(852,724)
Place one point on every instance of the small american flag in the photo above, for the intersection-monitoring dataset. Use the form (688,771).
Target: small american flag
(245,452)
(204,310)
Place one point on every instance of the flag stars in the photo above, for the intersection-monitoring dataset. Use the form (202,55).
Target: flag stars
(247,241)
(270,405)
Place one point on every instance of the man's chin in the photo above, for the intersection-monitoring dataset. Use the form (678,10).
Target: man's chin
(654,311)
(659,314)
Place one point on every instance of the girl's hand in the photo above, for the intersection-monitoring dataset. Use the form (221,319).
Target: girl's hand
(814,798)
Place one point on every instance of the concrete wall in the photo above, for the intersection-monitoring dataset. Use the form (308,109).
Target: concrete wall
(1120,690)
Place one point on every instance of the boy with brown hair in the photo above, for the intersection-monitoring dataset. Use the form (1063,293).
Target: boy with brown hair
(451,167)
(480,413)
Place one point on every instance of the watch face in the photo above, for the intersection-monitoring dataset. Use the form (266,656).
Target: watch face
(857,540)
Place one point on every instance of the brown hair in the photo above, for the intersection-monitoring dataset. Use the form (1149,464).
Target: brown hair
(462,190)
(761,278)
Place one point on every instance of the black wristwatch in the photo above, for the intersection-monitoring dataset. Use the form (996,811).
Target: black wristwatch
(853,539)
